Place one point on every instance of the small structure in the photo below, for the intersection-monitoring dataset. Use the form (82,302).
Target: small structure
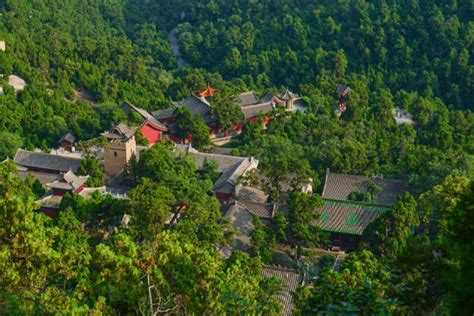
(198,106)
(402,117)
(151,128)
(208,92)
(3,46)
(68,183)
(45,163)
(16,82)
(230,167)
(67,141)
(290,280)
(122,147)
(342,92)
(247,98)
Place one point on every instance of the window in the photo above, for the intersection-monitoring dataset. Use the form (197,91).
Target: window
(115,153)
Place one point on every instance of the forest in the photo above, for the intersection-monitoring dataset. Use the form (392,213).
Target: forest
(82,59)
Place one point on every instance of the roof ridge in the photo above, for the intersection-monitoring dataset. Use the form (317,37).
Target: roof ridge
(281,268)
(47,154)
(368,177)
(360,203)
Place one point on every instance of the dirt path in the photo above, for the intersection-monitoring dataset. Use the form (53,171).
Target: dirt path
(175,48)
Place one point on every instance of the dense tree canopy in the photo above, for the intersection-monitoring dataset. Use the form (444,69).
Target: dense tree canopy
(81,59)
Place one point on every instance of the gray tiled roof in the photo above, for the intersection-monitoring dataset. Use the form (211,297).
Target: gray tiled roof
(198,106)
(261,210)
(233,173)
(251,194)
(223,162)
(338,187)
(120,131)
(254,110)
(68,181)
(127,107)
(247,98)
(241,219)
(348,217)
(67,137)
(341,89)
(164,114)
(267,97)
(45,161)
(43,177)
(264,210)
(290,280)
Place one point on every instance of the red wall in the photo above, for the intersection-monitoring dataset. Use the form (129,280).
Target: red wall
(223,197)
(50,212)
(153,135)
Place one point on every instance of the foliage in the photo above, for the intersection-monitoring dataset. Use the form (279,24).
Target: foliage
(51,267)
(184,121)
(263,241)
(210,170)
(367,196)
(225,110)
(201,134)
(301,220)
(9,143)
(363,286)
(91,166)
(388,235)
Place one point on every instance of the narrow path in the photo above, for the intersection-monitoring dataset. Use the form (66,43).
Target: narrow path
(175,47)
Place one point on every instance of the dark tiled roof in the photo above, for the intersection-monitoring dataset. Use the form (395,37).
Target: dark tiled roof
(342,90)
(233,173)
(348,217)
(127,107)
(247,98)
(264,210)
(251,194)
(43,177)
(267,97)
(164,114)
(120,131)
(224,162)
(290,280)
(198,106)
(254,110)
(338,187)
(261,210)
(67,137)
(68,181)
(241,219)
(45,161)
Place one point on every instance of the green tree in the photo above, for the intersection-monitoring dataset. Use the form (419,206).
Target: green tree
(388,235)
(201,134)
(151,206)
(226,111)
(302,214)
(263,240)
(91,166)
(9,143)
(184,121)
(363,286)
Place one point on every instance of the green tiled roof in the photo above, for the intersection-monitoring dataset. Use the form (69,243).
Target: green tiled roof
(348,217)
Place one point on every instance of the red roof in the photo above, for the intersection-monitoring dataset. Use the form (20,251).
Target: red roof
(208,92)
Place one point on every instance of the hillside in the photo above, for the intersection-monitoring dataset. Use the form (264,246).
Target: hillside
(343,185)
